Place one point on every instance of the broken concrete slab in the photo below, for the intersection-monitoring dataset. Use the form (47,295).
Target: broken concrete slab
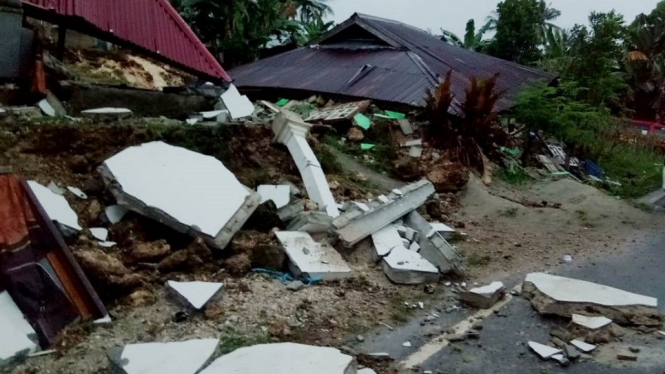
(115,213)
(561,359)
(405,125)
(107,113)
(444,230)
(550,294)
(384,241)
(291,131)
(99,233)
(187,191)
(14,330)
(186,357)
(403,266)
(435,248)
(280,194)
(313,259)
(46,107)
(583,346)
(544,351)
(283,358)
(197,294)
(416,151)
(238,105)
(77,192)
(312,223)
(483,297)
(56,206)
(355,225)
(592,323)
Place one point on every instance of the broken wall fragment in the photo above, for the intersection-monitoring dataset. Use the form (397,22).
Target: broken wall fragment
(187,357)
(311,259)
(187,191)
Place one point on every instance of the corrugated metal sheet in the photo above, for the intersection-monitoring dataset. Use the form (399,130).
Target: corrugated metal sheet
(149,24)
(402,74)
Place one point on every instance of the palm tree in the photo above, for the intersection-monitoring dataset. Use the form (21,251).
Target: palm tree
(472,40)
(310,10)
(547,15)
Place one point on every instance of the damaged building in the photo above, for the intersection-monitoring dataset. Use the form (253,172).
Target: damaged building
(368,57)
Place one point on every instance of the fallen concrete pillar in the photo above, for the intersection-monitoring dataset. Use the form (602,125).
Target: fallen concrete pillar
(403,266)
(550,294)
(189,192)
(355,225)
(316,260)
(186,357)
(283,358)
(434,247)
(291,131)
(385,240)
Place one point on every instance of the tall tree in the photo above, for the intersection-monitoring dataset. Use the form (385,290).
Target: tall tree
(312,10)
(521,28)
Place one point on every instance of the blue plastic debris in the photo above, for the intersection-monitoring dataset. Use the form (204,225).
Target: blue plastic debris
(592,169)
(286,277)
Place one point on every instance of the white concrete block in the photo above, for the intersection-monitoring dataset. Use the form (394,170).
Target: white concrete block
(416,151)
(163,358)
(489,290)
(314,259)
(438,227)
(280,194)
(383,198)
(115,213)
(362,206)
(407,267)
(410,234)
(196,293)
(56,206)
(46,107)
(414,247)
(107,111)
(14,330)
(283,358)
(385,240)
(99,233)
(194,189)
(238,105)
(544,351)
(578,291)
(592,323)
(412,143)
(583,346)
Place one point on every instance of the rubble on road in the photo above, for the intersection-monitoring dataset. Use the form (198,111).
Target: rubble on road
(550,294)
(435,248)
(283,358)
(311,259)
(187,357)
(189,192)
(544,351)
(583,346)
(197,294)
(483,297)
(291,131)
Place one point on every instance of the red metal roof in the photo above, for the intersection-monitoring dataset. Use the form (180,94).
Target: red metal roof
(151,25)
(380,59)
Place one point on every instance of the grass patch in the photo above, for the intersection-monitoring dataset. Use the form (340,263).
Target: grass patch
(517,177)
(400,313)
(230,339)
(639,169)
(510,212)
(475,259)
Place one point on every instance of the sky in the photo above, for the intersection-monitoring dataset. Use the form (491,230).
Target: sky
(453,15)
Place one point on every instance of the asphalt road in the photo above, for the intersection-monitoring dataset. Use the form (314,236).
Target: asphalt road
(502,348)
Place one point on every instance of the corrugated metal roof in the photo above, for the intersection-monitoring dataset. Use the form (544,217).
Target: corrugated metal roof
(152,25)
(402,73)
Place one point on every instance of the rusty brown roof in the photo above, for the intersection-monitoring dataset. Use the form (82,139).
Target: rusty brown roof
(380,59)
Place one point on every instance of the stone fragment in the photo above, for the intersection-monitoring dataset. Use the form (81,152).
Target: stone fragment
(186,357)
(626,357)
(582,346)
(149,251)
(544,351)
(312,259)
(591,323)
(197,294)
(403,266)
(561,359)
(571,352)
(283,358)
(295,286)
(56,206)
(483,297)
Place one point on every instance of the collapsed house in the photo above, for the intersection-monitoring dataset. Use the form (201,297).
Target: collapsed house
(383,60)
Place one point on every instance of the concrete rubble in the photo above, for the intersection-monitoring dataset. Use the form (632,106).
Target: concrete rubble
(283,358)
(592,323)
(583,346)
(187,191)
(315,260)
(403,266)
(56,206)
(550,294)
(281,194)
(291,131)
(197,294)
(483,297)
(187,357)
(435,248)
(115,213)
(442,229)
(14,330)
(544,351)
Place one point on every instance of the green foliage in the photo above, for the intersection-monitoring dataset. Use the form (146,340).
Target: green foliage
(473,40)
(517,177)
(520,30)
